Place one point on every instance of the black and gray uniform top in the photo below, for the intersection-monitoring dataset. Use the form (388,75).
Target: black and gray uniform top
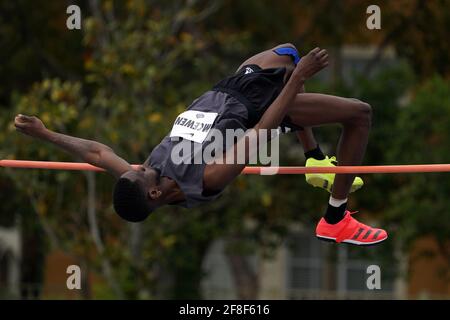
(239,101)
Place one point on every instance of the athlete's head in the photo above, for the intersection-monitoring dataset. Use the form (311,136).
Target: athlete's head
(137,194)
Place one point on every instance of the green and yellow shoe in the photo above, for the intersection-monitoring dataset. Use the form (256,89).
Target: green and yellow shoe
(326,180)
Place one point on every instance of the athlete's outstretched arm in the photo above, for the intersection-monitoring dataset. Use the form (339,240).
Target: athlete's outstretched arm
(92,152)
(218,175)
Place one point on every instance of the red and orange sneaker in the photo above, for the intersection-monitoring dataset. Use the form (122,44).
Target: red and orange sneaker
(349,230)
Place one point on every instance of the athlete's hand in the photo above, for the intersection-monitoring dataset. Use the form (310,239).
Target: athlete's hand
(313,62)
(29,125)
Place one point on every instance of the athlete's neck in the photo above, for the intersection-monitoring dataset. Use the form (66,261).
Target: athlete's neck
(170,190)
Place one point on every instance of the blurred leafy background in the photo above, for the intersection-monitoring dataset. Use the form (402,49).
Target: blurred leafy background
(134,65)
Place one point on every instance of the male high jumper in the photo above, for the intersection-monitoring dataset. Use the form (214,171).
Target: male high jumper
(265,93)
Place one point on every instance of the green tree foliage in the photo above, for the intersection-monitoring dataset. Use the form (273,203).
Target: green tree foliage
(420,202)
(134,66)
(35,45)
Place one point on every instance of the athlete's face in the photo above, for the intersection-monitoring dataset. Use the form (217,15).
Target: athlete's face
(148,178)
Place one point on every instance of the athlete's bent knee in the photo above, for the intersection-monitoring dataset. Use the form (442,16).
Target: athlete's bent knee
(288,44)
(362,113)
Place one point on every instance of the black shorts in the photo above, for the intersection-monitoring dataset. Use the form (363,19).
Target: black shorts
(256,89)
(255,113)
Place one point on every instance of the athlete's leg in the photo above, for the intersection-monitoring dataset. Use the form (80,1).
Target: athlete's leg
(355,117)
(311,109)
(307,139)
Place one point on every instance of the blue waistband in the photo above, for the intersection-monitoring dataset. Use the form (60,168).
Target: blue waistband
(288,51)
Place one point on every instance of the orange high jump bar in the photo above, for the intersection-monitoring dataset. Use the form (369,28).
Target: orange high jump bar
(248,170)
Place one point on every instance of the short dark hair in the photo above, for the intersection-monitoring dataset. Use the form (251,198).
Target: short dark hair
(130,200)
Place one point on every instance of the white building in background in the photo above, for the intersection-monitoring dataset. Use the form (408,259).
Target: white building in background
(10,255)
(307,268)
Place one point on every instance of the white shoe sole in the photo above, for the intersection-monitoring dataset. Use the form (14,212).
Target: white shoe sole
(354,242)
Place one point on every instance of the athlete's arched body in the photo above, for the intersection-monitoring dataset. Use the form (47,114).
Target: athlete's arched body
(266,92)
